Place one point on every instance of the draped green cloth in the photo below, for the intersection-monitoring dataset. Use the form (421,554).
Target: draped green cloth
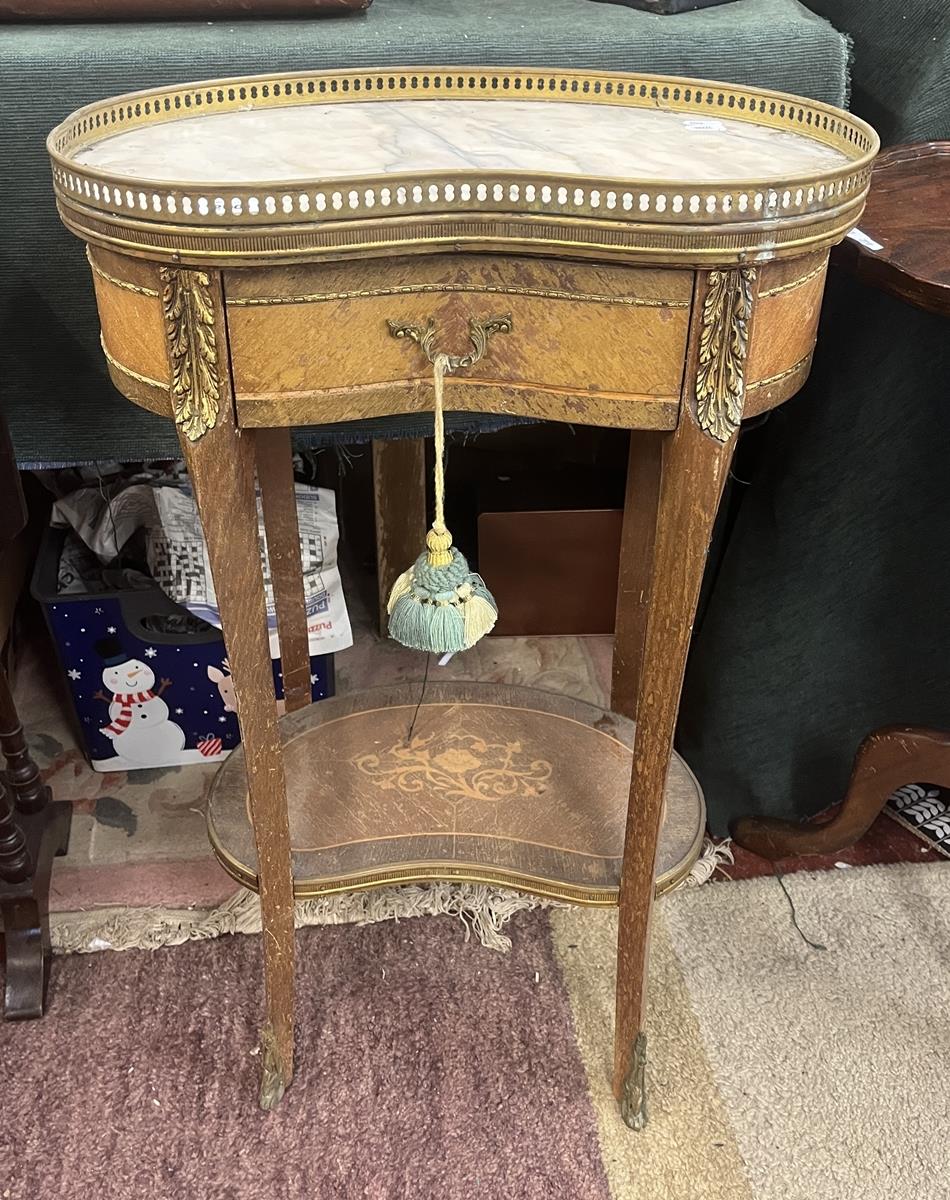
(827,613)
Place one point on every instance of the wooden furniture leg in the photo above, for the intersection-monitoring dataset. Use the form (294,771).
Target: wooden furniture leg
(30,794)
(693,469)
(399,495)
(886,760)
(33,832)
(15,862)
(221,464)
(693,474)
(28,845)
(275,474)
(636,559)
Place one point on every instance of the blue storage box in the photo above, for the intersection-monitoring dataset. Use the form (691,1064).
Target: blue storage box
(144,698)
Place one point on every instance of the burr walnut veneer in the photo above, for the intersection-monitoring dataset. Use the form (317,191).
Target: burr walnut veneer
(607,249)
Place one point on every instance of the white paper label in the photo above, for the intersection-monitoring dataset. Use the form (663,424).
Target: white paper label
(863,240)
(701,123)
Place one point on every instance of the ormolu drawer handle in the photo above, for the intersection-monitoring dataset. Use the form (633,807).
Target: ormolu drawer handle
(480,329)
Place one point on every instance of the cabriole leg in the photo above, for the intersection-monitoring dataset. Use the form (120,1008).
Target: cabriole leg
(695,462)
(220,461)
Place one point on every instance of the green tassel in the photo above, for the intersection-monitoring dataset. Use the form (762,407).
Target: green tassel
(402,587)
(439,605)
(440,609)
(479,617)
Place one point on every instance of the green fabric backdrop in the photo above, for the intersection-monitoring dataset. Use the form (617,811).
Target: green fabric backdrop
(59,402)
(828,612)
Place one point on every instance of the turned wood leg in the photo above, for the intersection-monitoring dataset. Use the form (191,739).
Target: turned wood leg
(275,474)
(885,761)
(26,916)
(220,461)
(30,794)
(695,462)
(15,864)
(399,496)
(29,841)
(636,560)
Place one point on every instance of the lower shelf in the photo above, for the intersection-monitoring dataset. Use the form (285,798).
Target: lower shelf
(497,784)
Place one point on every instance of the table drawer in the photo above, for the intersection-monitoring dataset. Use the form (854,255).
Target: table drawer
(588,343)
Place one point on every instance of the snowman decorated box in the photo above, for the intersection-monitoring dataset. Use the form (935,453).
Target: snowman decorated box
(148,688)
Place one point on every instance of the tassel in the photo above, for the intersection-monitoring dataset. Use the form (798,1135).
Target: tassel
(402,587)
(439,605)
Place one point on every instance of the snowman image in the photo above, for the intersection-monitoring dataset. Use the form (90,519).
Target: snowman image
(138,727)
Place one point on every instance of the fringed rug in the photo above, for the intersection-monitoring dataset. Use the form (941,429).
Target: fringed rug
(483,910)
(432,1068)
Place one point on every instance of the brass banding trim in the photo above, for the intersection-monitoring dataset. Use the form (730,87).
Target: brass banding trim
(152,293)
(795,283)
(114,362)
(411,289)
(431,873)
(800,365)
(687,246)
(435,872)
(407,395)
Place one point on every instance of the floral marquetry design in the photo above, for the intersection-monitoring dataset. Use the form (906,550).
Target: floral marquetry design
(497,784)
(457,767)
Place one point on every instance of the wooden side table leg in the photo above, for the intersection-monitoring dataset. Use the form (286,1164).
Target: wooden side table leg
(23,775)
(694,471)
(28,845)
(25,908)
(15,863)
(220,460)
(275,474)
(695,462)
(885,761)
(636,560)
(399,496)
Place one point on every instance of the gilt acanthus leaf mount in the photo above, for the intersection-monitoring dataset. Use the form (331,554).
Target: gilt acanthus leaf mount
(723,346)
(188,308)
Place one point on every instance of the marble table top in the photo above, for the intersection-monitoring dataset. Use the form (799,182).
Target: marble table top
(359,138)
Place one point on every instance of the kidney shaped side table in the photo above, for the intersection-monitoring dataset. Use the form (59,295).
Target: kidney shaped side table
(628,251)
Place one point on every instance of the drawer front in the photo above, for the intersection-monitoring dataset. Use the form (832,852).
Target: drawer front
(589,343)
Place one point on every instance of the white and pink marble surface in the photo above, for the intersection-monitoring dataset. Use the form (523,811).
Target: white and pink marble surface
(360,138)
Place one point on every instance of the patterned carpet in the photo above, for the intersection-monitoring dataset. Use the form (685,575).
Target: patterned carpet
(430,1068)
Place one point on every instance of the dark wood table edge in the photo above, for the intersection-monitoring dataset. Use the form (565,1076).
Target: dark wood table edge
(874,267)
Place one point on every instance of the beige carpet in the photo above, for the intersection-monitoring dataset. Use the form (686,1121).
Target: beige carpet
(778,1072)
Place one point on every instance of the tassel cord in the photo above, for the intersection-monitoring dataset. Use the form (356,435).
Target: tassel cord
(442,366)
(438,604)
